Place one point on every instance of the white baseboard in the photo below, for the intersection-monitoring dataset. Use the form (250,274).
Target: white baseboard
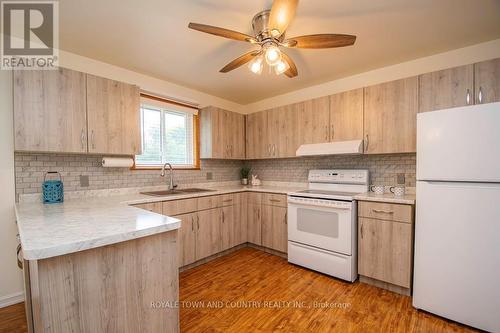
(11,299)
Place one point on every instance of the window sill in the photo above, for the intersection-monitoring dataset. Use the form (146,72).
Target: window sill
(158,167)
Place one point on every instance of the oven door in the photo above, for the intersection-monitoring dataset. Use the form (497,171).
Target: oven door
(325,227)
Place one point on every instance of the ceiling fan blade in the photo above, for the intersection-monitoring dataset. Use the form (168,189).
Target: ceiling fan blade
(292,71)
(231,34)
(320,41)
(282,13)
(240,61)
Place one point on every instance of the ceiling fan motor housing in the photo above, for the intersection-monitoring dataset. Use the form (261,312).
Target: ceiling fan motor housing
(260,26)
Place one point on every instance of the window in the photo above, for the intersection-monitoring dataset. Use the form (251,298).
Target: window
(169,134)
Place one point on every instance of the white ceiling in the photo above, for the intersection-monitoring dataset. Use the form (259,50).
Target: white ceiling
(151,37)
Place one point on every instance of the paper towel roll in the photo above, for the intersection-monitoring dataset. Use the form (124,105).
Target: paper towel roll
(117,162)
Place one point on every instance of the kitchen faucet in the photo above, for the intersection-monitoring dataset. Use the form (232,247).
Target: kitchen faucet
(171,185)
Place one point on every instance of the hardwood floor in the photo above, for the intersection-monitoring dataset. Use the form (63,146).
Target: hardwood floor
(248,291)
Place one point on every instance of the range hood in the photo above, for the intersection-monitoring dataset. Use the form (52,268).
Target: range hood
(331,148)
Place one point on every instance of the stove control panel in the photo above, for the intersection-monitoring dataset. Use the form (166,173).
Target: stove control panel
(320,202)
(339,176)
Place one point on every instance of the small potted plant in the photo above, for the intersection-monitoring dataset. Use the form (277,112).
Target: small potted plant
(245,172)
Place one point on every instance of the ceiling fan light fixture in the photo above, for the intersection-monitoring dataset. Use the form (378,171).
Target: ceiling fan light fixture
(256,65)
(272,54)
(281,67)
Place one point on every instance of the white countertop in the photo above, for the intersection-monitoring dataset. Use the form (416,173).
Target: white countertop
(49,230)
(407,199)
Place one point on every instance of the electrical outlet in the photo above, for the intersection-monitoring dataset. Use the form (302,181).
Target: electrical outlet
(84,181)
(210,176)
(400,179)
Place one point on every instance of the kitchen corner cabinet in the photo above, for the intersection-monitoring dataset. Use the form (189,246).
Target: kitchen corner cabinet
(447,88)
(50,111)
(113,117)
(487,81)
(66,111)
(385,243)
(390,117)
(222,134)
(346,116)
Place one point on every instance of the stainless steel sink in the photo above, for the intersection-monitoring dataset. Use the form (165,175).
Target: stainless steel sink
(175,192)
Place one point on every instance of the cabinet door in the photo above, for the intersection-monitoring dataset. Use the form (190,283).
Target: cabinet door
(208,232)
(390,117)
(274,227)
(384,251)
(186,239)
(237,142)
(113,111)
(289,127)
(254,223)
(257,145)
(241,211)
(228,228)
(314,120)
(346,116)
(487,81)
(50,111)
(444,89)
(273,133)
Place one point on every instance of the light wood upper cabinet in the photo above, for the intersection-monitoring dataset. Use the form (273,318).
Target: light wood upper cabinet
(289,141)
(113,110)
(314,120)
(448,88)
(50,111)
(222,134)
(487,81)
(256,140)
(273,133)
(390,121)
(346,116)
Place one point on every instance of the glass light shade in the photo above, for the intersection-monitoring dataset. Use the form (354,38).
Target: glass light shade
(281,67)
(273,55)
(256,65)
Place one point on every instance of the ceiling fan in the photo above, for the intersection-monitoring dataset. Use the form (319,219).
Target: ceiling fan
(269,27)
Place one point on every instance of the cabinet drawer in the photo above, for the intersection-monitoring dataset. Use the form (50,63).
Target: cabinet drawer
(176,207)
(254,198)
(209,202)
(228,199)
(274,199)
(155,207)
(385,211)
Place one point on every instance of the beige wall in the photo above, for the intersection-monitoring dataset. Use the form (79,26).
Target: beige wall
(11,287)
(454,58)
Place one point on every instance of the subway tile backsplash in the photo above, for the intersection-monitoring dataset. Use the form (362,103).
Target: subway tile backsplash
(383,168)
(31,167)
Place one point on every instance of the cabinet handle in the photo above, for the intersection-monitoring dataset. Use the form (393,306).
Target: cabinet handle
(227,200)
(192,223)
(467,97)
(92,139)
(480,95)
(82,139)
(382,211)
(269,149)
(326,132)
(286,218)
(223,217)
(274,200)
(19,262)
(274,150)
(366,143)
(332,132)
(198,221)
(361,230)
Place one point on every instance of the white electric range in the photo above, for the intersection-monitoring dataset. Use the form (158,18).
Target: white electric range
(322,222)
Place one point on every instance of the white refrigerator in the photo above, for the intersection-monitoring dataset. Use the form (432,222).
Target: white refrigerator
(457,229)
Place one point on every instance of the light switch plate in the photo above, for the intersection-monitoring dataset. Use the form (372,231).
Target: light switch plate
(84,181)
(400,179)
(210,176)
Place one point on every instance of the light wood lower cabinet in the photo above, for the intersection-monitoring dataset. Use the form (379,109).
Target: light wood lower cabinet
(208,232)
(385,243)
(274,227)
(187,239)
(106,289)
(254,222)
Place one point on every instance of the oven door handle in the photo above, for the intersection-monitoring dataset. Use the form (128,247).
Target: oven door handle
(312,204)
